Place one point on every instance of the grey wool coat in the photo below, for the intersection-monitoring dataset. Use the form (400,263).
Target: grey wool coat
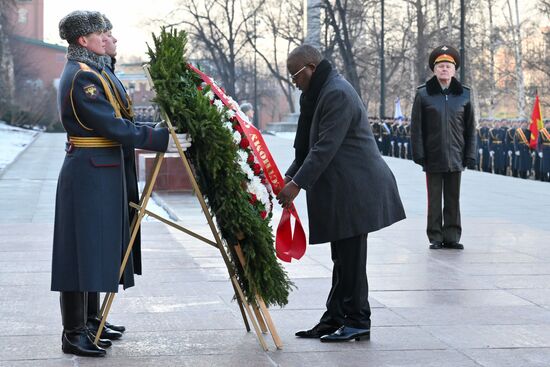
(350,188)
(91,230)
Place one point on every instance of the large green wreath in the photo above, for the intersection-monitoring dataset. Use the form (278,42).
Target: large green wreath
(214,156)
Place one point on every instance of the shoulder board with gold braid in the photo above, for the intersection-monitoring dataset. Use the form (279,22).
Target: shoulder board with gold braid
(126,109)
(106,88)
(522,136)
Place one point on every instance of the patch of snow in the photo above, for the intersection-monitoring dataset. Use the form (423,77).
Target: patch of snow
(13,141)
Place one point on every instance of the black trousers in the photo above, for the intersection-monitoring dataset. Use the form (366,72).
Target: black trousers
(347,303)
(443,223)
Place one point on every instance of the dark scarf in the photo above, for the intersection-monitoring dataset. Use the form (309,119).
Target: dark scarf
(81,54)
(308,104)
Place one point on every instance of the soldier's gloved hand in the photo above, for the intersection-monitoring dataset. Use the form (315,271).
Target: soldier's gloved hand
(517,153)
(540,154)
(492,153)
(419,161)
(510,153)
(480,151)
(470,163)
(184,140)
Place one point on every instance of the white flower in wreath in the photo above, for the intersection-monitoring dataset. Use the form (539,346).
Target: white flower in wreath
(230,114)
(210,95)
(228,125)
(237,137)
(219,105)
(242,156)
(248,171)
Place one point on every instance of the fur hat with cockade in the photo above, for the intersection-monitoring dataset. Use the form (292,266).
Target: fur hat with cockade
(80,23)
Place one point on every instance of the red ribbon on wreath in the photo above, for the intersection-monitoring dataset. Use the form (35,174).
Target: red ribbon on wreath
(288,245)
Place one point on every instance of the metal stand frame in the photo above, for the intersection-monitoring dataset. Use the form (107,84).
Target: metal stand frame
(257,311)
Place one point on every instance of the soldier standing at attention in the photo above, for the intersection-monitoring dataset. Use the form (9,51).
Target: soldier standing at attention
(91,230)
(443,143)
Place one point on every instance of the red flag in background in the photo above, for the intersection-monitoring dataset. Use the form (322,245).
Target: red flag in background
(536,123)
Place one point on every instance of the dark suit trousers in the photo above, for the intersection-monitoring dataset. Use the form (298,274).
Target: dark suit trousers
(347,302)
(444,225)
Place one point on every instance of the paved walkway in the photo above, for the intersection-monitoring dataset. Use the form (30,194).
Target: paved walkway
(488,305)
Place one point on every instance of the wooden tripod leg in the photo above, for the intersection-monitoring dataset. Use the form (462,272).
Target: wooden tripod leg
(104,318)
(261,304)
(136,222)
(270,324)
(259,317)
(250,314)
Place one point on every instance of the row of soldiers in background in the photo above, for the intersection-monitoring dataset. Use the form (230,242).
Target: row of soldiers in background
(393,137)
(503,146)
(147,114)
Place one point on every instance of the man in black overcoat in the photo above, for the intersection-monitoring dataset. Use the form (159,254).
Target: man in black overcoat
(350,189)
(443,136)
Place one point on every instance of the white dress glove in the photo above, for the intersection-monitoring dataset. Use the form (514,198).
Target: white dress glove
(492,153)
(517,153)
(184,140)
(540,154)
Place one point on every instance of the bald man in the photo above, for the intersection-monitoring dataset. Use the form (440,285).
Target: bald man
(350,189)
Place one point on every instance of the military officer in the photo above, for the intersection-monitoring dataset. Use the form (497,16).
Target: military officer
(485,158)
(509,146)
(543,147)
(443,143)
(497,152)
(91,213)
(522,151)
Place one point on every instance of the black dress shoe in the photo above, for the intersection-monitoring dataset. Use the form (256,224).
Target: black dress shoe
(102,343)
(317,331)
(346,333)
(80,344)
(453,245)
(106,333)
(118,328)
(436,245)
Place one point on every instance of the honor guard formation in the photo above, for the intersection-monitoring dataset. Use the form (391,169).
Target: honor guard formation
(503,146)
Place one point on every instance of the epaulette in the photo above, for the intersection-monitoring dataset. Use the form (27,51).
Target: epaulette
(421,86)
(84,66)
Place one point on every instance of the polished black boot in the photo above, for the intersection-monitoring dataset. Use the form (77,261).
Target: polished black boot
(106,333)
(75,339)
(93,312)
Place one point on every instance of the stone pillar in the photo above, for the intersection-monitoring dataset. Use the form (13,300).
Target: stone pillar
(312,22)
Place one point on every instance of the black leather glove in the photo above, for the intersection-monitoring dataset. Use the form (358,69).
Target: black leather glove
(419,161)
(470,163)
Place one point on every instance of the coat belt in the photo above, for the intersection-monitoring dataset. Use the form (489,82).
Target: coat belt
(92,142)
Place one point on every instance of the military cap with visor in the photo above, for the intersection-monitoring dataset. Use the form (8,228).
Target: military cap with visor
(444,53)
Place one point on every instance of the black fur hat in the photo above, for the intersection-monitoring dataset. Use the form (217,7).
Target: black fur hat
(80,23)
(108,24)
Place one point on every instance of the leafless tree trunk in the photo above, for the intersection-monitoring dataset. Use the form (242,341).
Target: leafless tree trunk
(282,20)
(7,75)
(218,26)
(516,36)
(337,17)
(492,52)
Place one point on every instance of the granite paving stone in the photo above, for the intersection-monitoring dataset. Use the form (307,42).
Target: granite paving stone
(488,305)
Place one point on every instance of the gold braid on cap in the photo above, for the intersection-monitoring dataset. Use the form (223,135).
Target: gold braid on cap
(445,58)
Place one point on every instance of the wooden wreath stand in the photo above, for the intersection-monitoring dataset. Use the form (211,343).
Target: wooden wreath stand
(257,311)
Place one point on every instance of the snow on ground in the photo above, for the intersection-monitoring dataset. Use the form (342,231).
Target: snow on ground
(13,141)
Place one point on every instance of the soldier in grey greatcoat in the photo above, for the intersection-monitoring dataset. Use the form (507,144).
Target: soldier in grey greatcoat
(91,230)
(350,189)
